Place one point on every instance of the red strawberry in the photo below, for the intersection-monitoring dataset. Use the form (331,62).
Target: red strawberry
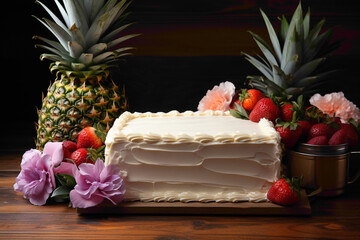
(265,108)
(67,153)
(88,139)
(319,140)
(320,129)
(305,125)
(80,156)
(287,112)
(285,191)
(289,135)
(255,94)
(70,146)
(339,137)
(248,104)
(251,98)
(351,133)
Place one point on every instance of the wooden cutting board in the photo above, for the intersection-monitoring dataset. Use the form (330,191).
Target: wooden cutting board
(197,208)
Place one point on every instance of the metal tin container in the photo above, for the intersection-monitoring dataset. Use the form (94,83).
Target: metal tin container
(325,167)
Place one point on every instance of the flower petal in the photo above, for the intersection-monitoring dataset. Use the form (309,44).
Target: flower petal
(55,150)
(64,168)
(78,201)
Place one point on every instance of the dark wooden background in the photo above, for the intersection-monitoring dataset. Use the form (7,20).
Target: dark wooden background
(186,48)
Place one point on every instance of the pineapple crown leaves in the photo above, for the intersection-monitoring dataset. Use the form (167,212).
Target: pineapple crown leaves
(289,67)
(87,36)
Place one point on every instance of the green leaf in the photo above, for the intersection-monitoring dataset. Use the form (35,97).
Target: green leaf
(61,192)
(308,68)
(259,65)
(272,35)
(234,113)
(306,24)
(242,111)
(264,47)
(66,180)
(284,28)
(53,16)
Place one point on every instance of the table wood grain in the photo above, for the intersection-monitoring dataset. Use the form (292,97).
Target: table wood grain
(332,218)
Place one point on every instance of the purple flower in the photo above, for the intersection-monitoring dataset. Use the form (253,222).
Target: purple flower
(96,183)
(36,179)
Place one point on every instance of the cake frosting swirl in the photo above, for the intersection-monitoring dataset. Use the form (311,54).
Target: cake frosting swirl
(194,156)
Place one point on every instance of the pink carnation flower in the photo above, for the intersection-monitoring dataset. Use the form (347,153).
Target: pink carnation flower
(96,183)
(336,103)
(36,179)
(219,98)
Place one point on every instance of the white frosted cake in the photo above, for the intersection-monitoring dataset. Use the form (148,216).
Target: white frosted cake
(194,156)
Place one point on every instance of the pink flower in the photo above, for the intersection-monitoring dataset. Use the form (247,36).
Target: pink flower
(36,179)
(219,98)
(336,103)
(96,183)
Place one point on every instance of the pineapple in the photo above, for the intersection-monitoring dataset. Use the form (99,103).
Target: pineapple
(83,93)
(289,67)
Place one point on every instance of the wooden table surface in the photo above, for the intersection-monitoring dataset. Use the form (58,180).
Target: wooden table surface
(332,218)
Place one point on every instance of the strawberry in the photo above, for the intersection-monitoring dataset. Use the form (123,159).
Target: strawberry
(320,129)
(287,112)
(80,156)
(67,153)
(290,133)
(351,133)
(88,139)
(265,108)
(339,137)
(319,140)
(248,104)
(250,99)
(305,125)
(70,146)
(285,191)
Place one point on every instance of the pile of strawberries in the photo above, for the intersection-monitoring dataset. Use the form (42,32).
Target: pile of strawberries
(293,121)
(86,150)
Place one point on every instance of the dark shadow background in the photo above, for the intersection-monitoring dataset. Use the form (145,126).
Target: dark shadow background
(186,48)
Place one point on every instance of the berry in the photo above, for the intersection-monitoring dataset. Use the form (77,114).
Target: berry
(339,137)
(251,97)
(69,145)
(255,94)
(319,140)
(88,139)
(351,133)
(80,156)
(265,108)
(67,153)
(289,135)
(248,104)
(320,129)
(285,191)
(287,112)
(305,125)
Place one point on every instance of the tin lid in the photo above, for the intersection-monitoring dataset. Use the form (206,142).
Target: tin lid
(323,149)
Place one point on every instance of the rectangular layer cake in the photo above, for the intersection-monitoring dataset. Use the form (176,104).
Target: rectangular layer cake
(194,156)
